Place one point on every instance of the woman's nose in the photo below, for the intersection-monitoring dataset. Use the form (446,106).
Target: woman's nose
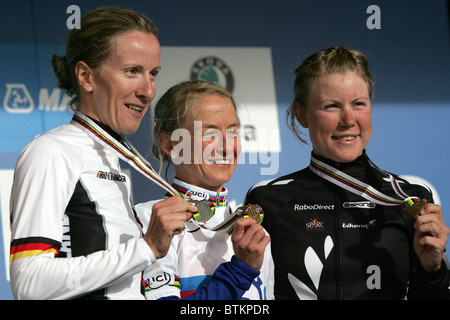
(146,90)
(347,117)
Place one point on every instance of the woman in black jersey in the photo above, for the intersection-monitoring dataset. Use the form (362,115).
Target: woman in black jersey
(338,227)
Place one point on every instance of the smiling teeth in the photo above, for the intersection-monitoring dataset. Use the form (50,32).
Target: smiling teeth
(222,161)
(134,107)
(347,138)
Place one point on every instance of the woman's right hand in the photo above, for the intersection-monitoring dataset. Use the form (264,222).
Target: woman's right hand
(168,218)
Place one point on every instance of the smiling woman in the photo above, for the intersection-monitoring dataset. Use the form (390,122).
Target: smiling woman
(341,191)
(203,116)
(338,116)
(119,93)
(91,245)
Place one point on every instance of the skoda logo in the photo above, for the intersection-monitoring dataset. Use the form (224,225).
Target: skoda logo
(214,70)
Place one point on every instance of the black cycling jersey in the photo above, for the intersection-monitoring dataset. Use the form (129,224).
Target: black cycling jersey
(329,243)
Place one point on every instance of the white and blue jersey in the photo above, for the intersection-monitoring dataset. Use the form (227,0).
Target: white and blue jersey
(200,261)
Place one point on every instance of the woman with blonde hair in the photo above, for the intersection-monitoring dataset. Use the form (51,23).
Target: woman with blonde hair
(340,228)
(196,129)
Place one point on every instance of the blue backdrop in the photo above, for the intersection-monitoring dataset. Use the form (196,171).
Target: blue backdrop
(409,55)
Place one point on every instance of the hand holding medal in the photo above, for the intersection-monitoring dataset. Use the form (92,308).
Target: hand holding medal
(253,211)
(168,219)
(413,206)
(250,240)
(430,237)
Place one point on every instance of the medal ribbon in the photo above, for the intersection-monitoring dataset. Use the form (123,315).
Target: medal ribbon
(129,154)
(220,201)
(217,200)
(125,150)
(356,186)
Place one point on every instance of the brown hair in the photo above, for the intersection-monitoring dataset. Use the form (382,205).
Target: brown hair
(92,43)
(324,62)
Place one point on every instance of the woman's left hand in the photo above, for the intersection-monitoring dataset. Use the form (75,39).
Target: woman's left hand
(430,237)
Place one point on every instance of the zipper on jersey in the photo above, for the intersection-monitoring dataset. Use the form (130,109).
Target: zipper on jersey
(337,204)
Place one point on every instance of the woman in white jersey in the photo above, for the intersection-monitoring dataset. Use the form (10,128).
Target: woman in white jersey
(74,230)
(196,129)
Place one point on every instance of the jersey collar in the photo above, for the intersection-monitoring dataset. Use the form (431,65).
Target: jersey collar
(195,193)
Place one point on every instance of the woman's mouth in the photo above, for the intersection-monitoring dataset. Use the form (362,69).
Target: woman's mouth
(345,138)
(134,107)
(222,162)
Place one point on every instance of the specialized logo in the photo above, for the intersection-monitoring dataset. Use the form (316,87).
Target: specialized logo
(213,69)
(359,205)
(315,225)
(111,176)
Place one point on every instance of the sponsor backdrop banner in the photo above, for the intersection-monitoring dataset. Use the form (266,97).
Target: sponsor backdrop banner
(251,49)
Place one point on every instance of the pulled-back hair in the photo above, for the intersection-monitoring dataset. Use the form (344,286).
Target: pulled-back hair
(92,44)
(174,108)
(324,62)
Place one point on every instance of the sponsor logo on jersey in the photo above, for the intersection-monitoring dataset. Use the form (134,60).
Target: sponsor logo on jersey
(111,176)
(160,280)
(359,205)
(351,225)
(304,207)
(315,225)
(196,195)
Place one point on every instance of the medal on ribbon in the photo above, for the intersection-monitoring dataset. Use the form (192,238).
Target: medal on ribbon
(129,154)
(412,205)
(205,211)
(205,215)
(253,211)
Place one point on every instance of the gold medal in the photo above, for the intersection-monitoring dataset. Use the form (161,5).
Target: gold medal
(254,211)
(413,205)
(205,211)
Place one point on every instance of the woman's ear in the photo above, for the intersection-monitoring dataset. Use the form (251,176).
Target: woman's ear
(300,114)
(166,143)
(84,76)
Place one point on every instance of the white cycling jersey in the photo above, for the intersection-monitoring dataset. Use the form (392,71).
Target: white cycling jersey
(196,253)
(74,231)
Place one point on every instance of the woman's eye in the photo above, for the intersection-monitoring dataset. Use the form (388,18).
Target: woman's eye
(131,71)
(154,73)
(360,104)
(211,133)
(232,133)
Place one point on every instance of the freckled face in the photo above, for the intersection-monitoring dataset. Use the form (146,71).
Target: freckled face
(339,117)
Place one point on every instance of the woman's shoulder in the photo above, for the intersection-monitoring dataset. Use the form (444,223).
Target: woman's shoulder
(283,182)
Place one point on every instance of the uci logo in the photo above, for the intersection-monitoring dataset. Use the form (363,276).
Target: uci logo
(196,195)
(159,280)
